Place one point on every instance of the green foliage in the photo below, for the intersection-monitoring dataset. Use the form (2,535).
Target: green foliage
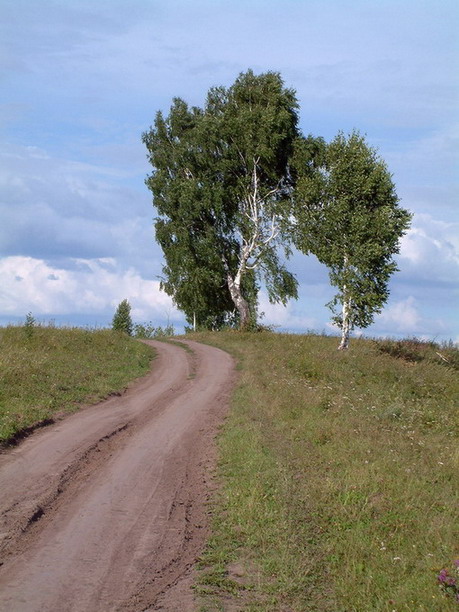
(227,181)
(122,318)
(58,369)
(205,165)
(29,325)
(148,330)
(347,214)
(193,273)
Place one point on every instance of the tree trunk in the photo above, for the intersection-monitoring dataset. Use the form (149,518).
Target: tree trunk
(239,300)
(346,326)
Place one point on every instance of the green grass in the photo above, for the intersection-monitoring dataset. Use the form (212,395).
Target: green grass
(46,371)
(339,477)
(338,470)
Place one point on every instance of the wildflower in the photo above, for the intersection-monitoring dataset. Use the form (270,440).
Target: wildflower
(448,584)
(442,576)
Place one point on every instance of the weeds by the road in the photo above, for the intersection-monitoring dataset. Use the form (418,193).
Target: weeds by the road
(47,370)
(339,475)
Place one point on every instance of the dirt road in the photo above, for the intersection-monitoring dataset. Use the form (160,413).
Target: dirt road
(105,510)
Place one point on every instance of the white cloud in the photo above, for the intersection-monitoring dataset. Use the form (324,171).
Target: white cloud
(92,287)
(418,248)
(403,316)
(287,317)
(52,207)
(430,251)
(411,317)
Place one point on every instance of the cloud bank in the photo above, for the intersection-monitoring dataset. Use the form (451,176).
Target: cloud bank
(92,287)
(81,81)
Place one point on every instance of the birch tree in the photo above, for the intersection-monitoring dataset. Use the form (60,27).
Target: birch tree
(221,185)
(347,213)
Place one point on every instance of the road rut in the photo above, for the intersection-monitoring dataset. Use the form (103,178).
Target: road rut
(105,510)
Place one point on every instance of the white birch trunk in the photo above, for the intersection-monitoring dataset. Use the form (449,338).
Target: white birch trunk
(346,312)
(262,233)
(346,327)
(234,286)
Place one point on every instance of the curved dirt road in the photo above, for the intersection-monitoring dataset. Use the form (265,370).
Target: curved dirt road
(105,510)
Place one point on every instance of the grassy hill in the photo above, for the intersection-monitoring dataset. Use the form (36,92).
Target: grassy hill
(45,371)
(339,477)
(338,471)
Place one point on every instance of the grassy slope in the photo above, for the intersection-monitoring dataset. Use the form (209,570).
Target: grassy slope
(45,371)
(339,470)
(339,476)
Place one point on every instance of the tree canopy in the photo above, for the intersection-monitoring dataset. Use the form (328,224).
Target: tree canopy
(122,318)
(235,183)
(347,214)
(221,183)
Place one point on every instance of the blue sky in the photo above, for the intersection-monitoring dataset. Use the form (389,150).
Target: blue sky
(81,80)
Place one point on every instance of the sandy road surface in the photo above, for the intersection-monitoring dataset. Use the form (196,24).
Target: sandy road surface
(105,510)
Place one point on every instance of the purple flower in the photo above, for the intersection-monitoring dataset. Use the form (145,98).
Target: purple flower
(456,563)
(442,576)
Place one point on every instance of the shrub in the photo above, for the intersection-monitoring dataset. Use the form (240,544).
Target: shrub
(148,330)
(122,319)
(415,351)
(29,325)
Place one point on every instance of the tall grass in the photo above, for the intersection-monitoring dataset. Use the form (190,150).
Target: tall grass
(47,370)
(339,475)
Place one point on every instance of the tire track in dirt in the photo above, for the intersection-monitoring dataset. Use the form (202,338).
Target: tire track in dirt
(105,510)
